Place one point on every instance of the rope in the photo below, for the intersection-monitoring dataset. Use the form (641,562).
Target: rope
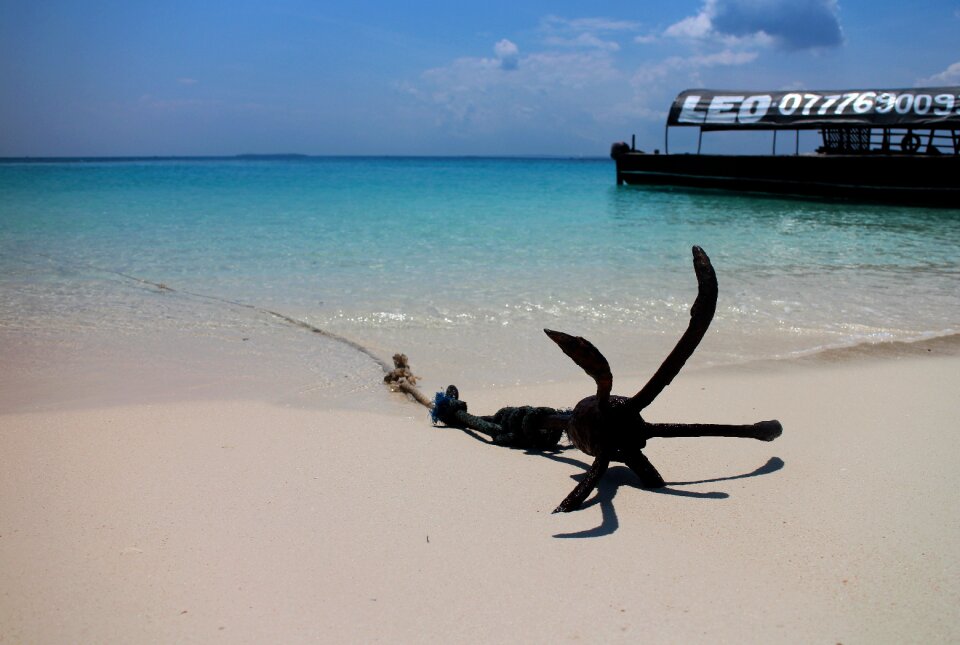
(401,378)
(526,426)
(515,427)
(288,319)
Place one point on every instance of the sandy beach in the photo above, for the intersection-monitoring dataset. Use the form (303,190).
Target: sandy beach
(244,520)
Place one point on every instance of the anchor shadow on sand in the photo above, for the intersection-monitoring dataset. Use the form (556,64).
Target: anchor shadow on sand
(622,476)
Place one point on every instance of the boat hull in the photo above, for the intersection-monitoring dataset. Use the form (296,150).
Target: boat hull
(922,180)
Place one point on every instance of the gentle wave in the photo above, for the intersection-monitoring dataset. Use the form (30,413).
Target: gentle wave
(939,344)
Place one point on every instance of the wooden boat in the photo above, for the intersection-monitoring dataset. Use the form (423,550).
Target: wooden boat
(899,146)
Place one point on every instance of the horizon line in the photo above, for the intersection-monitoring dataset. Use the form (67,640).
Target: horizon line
(280,157)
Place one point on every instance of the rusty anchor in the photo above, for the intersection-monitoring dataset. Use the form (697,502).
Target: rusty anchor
(607,427)
(610,428)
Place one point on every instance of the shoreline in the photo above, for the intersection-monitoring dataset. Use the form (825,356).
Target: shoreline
(244,520)
(53,372)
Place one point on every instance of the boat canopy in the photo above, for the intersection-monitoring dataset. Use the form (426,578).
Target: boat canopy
(923,107)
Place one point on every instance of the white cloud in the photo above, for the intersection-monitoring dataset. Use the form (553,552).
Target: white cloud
(691,64)
(556,23)
(585,40)
(472,96)
(566,75)
(567,86)
(695,27)
(655,85)
(575,82)
(949,76)
(787,24)
(507,53)
(726,57)
(586,33)
(187,81)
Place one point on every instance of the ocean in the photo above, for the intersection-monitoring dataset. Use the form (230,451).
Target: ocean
(209,265)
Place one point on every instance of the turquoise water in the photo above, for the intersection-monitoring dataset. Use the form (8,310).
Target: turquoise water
(458,261)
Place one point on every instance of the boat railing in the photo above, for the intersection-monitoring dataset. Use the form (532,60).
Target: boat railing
(864,140)
(889,141)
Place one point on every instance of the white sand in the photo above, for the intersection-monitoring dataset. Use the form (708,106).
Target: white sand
(244,521)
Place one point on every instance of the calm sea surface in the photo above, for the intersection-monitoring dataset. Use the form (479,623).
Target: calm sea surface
(458,262)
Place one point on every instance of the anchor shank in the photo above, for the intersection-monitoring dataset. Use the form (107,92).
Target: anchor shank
(556,421)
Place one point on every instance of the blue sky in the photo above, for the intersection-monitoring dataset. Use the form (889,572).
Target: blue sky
(375,77)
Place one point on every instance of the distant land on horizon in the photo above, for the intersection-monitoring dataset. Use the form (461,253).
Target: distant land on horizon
(286,156)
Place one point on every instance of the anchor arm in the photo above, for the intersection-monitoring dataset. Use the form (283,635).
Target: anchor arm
(588,357)
(700,316)
(641,466)
(763,430)
(576,497)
